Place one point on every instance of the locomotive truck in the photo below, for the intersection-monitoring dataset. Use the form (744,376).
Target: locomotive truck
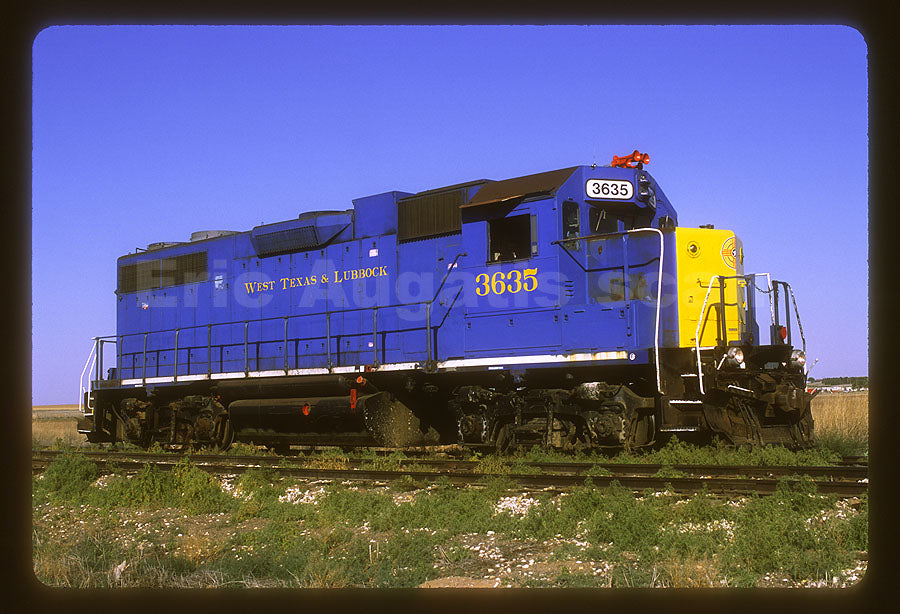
(565,308)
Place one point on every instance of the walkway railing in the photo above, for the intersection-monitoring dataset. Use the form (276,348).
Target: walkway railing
(722,331)
(146,350)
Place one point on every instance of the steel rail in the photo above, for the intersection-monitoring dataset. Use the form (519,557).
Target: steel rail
(853,469)
(635,483)
(643,482)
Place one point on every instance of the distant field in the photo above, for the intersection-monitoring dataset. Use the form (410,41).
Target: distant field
(52,422)
(54,407)
(845,411)
(842,416)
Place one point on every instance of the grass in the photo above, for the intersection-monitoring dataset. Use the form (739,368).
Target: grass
(346,536)
(677,452)
(55,431)
(842,421)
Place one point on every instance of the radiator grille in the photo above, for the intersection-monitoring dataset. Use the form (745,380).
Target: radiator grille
(430,215)
(163,273)
(284,241)
(191,268)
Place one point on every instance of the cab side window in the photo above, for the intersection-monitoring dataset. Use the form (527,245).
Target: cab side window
(571,226)
(509,238)
(602,222)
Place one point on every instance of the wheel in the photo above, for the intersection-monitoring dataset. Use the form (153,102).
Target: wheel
(504,438)
(224,433)
(802,431)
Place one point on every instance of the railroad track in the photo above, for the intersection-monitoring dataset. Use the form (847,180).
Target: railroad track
(841,480)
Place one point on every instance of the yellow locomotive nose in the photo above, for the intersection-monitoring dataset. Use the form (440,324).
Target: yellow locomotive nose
(702,254)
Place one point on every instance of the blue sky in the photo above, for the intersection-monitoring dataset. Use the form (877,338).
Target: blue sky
(149,133)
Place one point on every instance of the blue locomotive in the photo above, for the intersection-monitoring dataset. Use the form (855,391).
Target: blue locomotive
(565,308)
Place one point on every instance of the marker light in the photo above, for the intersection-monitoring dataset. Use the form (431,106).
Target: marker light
(645,190)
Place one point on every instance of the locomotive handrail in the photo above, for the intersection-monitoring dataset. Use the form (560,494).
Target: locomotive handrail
(327,313)
(295,315)
(722,326)
(81,387)
(700,321)
(773,312)
(662,250)
(447,274)
(608,235)
(787,311)
(797,313)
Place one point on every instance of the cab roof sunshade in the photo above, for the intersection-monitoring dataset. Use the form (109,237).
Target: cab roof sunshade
(520,187)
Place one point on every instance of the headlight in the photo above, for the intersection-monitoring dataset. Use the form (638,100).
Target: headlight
(735,356)
(798,358)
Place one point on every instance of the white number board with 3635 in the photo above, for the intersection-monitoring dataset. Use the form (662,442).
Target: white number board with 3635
(609,188)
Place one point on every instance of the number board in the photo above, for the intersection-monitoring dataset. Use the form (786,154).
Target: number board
(609,189)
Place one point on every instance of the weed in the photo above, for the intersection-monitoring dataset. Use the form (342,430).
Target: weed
(452,555)
(185,487)
(598,471)
(565,551)
(491,465)
(406,560)
(519,467)
(335,452)
(327,462)
(542,521)
(67,478)
(392,462)
(770,535)
(841,444)
(568,579)
(257,483)
(342,506)
(239,448)
(842,422)
(198,491)
(667,471)
(276,550)
(404,484)
(677,452)
(448,510)
(630,524)
(691,572)
(537,454)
